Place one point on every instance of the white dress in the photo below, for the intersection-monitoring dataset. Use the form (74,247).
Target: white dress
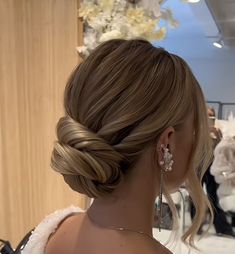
(38,240)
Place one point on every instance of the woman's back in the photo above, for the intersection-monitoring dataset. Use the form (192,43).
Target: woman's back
(77,234)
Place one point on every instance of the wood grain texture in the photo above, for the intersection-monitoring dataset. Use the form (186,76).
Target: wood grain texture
(37,53)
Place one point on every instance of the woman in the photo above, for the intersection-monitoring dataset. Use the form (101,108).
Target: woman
(223,169)
(135,126)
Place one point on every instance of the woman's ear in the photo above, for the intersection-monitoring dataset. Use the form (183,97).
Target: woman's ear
(167,138)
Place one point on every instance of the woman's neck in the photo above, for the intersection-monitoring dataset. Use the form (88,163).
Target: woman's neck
(131,206)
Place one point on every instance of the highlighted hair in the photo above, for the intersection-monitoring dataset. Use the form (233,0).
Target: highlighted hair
(117,102)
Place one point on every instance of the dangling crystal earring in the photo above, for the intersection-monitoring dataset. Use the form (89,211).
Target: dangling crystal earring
(167,161)
(159,203)
(166,166)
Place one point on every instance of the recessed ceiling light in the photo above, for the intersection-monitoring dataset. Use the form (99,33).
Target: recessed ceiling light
(193,1)
(218,44)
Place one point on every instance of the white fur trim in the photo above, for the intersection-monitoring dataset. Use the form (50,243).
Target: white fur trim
(223,166)
(227,203)
(38,240)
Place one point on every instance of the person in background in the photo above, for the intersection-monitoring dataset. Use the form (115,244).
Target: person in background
(135,128)
(222,226)
(223,169)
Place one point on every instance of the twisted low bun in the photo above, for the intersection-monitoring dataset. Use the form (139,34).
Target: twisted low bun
(88,163)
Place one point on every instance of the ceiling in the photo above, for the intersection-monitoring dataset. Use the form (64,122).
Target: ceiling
(199,29)
(193,40)
(223,12)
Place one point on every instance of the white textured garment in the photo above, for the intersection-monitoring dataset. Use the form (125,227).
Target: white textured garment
(38,240)
(223,168)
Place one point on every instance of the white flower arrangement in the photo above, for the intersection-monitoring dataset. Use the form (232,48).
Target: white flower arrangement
(111,19)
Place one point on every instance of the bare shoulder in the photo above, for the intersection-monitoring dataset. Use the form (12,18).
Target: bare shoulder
(63,237)
(147,246)
(156,249)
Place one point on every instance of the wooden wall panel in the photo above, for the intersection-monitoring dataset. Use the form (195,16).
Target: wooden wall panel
(37,53)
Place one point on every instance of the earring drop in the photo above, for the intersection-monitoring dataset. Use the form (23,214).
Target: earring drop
(159,202)
(166,165)
(167,161)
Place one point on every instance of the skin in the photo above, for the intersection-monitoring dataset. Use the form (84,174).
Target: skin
(130,206)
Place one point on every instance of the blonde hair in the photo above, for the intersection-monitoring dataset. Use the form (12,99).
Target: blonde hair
(117,102)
